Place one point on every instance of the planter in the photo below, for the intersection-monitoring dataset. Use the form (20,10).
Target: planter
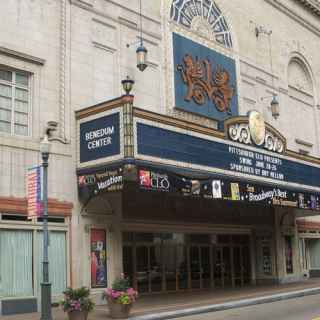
(118,310)
(78,315)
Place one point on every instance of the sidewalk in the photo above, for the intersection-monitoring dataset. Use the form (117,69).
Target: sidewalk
(169,305)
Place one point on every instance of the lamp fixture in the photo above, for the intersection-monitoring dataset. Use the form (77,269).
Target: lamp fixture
(275,106)
(141,51)
(127,85)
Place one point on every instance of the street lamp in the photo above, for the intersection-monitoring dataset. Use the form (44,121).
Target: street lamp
(46,313)
(127,85)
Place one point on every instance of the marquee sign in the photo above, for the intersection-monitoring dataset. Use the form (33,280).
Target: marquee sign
(205,80)
(164,144)
(100,138)
(218,188)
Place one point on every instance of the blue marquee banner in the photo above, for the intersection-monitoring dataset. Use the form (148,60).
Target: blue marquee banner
(205,80)
(100,138)
(166,144)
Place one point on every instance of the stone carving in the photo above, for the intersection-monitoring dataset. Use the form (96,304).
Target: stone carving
(242,132)
(202,82)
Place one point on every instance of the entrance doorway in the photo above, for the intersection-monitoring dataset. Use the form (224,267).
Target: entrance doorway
(173,262)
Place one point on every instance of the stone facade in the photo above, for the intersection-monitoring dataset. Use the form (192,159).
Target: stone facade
(76,54)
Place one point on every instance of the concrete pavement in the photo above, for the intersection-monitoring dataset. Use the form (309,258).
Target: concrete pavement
(172,305)
(304,308)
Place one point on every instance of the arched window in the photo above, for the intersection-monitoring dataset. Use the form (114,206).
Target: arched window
(301,109)
(204,17)
(299,77)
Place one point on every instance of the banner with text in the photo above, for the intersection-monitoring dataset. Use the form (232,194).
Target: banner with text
(153,179)
(100,138)
(34,192)
(166,144)
(103,180)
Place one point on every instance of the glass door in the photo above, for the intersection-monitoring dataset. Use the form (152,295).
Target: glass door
(218,267)
(246,265)
(155,271)
(142,268)
(195,267)
(206,270)
(170,267)
(237,265)
(227,267)
(183,267)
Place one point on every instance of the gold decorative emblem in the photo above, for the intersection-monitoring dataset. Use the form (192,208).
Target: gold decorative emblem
(202,82)
(257,127)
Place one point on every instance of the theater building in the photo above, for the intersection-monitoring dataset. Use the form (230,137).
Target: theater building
(205,174)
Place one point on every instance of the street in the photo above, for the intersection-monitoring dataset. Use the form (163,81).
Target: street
(306,308)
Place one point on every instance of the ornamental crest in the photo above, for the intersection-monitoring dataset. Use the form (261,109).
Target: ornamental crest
(206,82)
(253,130)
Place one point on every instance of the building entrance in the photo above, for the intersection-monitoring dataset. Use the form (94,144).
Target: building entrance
(175,261)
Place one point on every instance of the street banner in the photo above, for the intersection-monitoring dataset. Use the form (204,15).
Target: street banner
(34,192)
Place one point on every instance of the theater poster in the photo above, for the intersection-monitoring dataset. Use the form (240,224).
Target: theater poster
(98,258)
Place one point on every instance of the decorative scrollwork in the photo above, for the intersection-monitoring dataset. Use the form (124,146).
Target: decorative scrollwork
(241,133)
(202,82)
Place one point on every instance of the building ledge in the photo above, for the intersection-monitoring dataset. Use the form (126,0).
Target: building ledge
(21,56)
(12,205)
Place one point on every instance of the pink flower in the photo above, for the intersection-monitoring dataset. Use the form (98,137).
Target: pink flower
(115,294)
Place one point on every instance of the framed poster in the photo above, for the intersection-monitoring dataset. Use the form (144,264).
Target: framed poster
(98,258)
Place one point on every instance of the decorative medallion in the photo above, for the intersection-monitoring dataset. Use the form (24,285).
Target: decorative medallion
(257,127)
(253,130)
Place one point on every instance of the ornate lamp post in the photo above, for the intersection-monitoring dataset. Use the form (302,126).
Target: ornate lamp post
(46,313)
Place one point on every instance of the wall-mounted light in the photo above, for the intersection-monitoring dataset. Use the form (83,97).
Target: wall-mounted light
(274,104)
(127,85)
(141,51)
(275,110)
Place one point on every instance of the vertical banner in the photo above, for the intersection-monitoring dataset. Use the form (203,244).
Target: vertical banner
(98,258)
(34,192)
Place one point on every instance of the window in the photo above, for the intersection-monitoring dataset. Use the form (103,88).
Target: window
(16,263)
(14,102)
(204,17)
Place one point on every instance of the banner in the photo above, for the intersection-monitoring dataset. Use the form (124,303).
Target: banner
(103,180)
(153,179)
(98,258)
(34,192)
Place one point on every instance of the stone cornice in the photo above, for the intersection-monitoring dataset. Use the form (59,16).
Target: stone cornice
(313,5)
(295,16)
(22,56)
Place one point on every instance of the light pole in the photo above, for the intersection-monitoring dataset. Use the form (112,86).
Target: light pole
(46,313)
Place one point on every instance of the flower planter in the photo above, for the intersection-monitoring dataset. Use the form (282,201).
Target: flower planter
(118,310)
(78,315)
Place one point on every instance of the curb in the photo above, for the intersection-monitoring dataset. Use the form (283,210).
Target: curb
(228,305)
